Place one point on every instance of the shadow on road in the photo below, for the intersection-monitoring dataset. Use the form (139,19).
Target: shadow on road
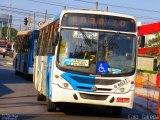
(7,77)
(89,110)
(4,90)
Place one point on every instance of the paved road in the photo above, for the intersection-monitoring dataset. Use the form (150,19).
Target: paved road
(18,101)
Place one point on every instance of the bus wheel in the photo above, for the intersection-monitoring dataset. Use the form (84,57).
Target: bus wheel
(40,97)
(51,107)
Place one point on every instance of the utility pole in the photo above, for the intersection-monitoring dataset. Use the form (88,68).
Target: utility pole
(9,23)
(45,17)
(97,5)
(106,8)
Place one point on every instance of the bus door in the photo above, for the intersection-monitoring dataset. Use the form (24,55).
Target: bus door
(44,67)
(18,61)
(36,71)
(41,72)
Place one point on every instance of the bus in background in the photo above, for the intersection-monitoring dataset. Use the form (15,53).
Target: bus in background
(24,52)
(87,57)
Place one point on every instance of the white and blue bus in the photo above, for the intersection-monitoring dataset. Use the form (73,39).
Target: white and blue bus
(25,46)
(87,57)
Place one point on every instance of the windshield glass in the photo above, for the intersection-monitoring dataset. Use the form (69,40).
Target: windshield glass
(97,52)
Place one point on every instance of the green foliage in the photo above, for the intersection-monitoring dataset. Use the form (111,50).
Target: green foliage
(155,42)
(13,33)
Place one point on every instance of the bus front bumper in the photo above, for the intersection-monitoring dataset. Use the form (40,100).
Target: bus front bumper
(104,99)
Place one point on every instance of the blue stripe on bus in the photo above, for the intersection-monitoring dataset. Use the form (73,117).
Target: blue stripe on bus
(32,39)
(80,82)
(49,77)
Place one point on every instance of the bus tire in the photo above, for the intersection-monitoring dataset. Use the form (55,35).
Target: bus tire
(51,107)
(40,97)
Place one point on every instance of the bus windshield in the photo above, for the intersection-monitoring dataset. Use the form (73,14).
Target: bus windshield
(99,53)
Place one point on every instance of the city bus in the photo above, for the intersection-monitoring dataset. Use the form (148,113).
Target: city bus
(87,57)
(25,46)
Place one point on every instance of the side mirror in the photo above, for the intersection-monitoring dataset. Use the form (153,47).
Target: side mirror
(158,80)
(141,41)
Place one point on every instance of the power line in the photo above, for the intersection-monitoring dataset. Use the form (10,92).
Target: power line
(21,11)
(25,11)
(124,7)
(54,4)
(138,16)
(42,16)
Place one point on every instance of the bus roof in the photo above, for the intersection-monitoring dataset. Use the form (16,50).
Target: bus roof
(23,33)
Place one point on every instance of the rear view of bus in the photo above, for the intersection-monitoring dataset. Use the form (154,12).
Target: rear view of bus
(25,49)
(94,60)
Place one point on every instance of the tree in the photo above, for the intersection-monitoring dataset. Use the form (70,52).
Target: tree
(13,33)
(153,46)
(155,42)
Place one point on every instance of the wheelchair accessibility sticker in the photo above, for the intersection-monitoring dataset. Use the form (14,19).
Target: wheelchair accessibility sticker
(102,67)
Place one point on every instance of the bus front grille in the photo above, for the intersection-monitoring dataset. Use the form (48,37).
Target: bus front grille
(107,81)
(93,97)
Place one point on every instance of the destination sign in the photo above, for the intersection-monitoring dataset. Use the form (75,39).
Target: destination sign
(96,21)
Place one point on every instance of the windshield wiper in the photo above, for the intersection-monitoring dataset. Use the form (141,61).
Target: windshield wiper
(86,40)
(107,42)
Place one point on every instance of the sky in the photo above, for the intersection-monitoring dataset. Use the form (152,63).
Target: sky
(146,11)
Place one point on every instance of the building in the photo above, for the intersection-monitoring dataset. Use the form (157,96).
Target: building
(147,36)
(148,57)
(4,20)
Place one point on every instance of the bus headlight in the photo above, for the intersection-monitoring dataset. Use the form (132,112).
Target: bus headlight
(64,84)
(124,89)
